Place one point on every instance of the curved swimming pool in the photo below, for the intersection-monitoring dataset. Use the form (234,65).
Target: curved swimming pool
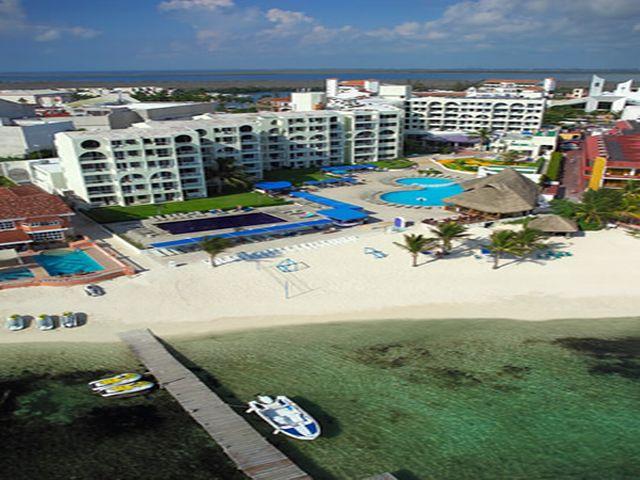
(432,195)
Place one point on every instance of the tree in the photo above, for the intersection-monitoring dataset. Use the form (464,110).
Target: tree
(529,239)
(504,242)
(509,157)
(485,137)
(414,244)
(214,246)
(597,208)
(446,232)
(227,173)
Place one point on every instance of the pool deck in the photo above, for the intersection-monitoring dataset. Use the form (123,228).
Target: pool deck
(113,268)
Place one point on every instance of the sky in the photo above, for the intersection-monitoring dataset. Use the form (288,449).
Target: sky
(86,35)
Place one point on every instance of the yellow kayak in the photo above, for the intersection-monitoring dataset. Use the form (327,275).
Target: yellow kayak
(128,389)
(121,379)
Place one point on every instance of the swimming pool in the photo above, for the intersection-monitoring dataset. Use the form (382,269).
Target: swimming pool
(15,274)
(432,195)
(219,223)
(67,262)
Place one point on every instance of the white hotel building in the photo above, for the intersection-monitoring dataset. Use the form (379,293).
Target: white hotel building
(158,162)
(459,112)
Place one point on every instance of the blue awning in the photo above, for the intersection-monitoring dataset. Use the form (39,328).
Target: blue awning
(273,186)
(280,228)
(343,214)
(324,200)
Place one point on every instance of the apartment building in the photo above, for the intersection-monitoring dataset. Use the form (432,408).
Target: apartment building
(457,111)
(374,132)
(30,215)
(133,166)
(158,162)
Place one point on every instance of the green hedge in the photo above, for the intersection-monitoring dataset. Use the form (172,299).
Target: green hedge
(555,166)
(223,202)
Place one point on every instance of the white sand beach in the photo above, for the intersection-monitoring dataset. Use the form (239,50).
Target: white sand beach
(341,283)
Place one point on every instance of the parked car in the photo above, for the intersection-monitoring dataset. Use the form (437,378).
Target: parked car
(69,320)
(45,322)
(15,322)
(94,290)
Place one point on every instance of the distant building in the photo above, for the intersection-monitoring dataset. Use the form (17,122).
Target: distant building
(20,137)
(111,117)
(29,215)
(612,160)
(459,112)
(535,145)
(41,98)
(10,110)
(514,88)
(624,99)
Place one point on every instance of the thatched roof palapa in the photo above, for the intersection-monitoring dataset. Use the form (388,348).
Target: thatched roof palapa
(503,193)
(553,224)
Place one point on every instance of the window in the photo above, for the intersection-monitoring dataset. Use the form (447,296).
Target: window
(47,236)
(43,223)
(90,144)
(7,225)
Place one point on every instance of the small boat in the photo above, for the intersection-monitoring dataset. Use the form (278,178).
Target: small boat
(286,417)
(128,389)
(45,322)
(15,322)
(69,320)
(116,380)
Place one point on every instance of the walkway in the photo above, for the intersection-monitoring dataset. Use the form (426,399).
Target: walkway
(252,454)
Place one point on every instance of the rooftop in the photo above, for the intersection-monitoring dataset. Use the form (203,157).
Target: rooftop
(28,201)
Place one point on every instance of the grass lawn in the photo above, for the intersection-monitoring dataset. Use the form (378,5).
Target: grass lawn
(394,164)
(225,202)
(296,176)
(5,182)
(471,164)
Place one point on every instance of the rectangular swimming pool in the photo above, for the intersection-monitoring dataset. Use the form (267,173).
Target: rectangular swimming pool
(15,274)
(67,262)
(219,223)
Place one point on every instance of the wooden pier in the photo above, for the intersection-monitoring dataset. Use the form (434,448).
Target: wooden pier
(252,454)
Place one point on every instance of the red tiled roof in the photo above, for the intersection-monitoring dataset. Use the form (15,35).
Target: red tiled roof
(440,94)
(27,201)
(353,83)
(13,236)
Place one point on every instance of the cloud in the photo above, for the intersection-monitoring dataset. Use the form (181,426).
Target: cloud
(51,34)
(508,28)
(195,4)
(12,15)
(13,20)
(287,17)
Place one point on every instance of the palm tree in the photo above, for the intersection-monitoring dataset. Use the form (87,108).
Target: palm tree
(446,232)
(227,173)
(485,136)
(414,244)
(509,157)
(504,242)
(529,239)
(214,246)
(598,207)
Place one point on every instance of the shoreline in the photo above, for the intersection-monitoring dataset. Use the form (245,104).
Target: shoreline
(341,284)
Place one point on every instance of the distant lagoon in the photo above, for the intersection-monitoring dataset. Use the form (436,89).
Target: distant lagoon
(297,76)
